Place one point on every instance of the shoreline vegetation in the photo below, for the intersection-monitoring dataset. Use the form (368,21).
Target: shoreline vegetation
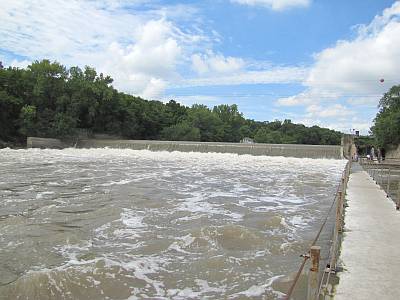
(49,100)
(385,132)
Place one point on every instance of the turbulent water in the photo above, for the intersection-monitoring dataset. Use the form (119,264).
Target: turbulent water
(126,224)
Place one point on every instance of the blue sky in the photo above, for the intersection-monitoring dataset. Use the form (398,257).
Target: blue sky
(312,61)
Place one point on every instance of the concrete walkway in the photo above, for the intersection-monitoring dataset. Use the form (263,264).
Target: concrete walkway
(371,247)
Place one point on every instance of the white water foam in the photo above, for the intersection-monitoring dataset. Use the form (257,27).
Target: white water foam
(163,215)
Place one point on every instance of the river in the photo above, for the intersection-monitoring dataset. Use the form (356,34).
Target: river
(128,224)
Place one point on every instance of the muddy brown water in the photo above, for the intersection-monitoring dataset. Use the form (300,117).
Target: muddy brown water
(128,224)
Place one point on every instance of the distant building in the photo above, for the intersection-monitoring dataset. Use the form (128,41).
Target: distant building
(247,140)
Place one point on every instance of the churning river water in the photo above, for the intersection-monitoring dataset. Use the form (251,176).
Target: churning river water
(126,224)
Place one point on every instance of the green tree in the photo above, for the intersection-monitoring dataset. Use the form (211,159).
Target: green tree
(48,100)
(28,119)
(386,128)
(232,121)
(181,132)
(210,126)
(265,135)
(9,110)
(176,111)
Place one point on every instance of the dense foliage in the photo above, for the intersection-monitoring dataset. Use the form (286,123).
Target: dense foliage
(48,100)
(364,144)
(386,127)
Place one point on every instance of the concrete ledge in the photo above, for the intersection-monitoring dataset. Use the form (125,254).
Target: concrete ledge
(371,242)
(35,142)
(287,150)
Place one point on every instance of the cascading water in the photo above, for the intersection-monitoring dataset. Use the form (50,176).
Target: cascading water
(129,224)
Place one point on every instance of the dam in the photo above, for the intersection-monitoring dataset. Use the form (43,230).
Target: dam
(286,150)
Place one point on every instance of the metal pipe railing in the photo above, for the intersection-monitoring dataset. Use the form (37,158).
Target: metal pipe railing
(318,284)
(387,175)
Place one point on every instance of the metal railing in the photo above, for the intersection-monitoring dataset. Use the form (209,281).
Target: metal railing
(323,263)
(386,174)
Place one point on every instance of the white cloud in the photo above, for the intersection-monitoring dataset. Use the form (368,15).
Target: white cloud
(299,99)
(211,62)
(277,5)
(337,117)
(307,97)
(144,66)
(140,51)
(332,111)
(47,28)
(356,66)
(351,70)
(243,76)
(363,101)
(20,63)
(144,52)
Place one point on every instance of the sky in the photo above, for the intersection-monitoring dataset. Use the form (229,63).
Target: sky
(316,62)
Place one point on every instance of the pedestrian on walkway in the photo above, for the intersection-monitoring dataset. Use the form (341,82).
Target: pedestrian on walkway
(372,153)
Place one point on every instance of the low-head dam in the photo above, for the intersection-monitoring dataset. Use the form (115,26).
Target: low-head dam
(286,150)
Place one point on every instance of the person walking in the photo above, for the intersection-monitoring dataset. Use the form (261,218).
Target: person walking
(372,153)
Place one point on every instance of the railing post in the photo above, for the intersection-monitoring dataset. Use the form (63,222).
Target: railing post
(380,176)
(313,273)
(339,209)
(388,184)
(398,196)
(344,183)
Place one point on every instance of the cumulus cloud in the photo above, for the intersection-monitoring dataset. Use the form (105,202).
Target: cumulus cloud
(143,66)
(140,50)
(351,70)
(277,5)
(144,52)
(211,62)
(309,96)
(331,111)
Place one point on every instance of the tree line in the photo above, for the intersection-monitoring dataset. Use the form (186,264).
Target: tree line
(46,99)
(386,128)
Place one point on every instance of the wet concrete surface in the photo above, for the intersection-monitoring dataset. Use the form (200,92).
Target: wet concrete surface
(371,242)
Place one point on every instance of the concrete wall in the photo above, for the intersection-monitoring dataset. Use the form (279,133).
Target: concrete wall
(348,145)
(310,151)
(35,142)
